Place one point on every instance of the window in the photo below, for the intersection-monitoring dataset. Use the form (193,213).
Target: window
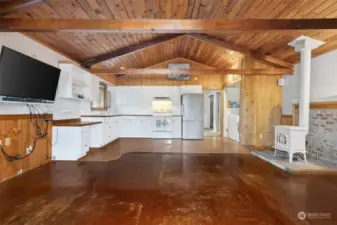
(102,101)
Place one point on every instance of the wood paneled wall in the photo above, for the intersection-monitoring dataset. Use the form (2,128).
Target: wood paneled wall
(210,82)
(21,133)
(260,109)
(231,79)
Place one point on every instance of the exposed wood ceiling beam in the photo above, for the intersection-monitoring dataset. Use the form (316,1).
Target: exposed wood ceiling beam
(163,26)
(128,49)
(244,50)
(14,6)
(193,71)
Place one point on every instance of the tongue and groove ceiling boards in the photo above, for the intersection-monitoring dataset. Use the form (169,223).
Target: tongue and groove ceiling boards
(144,49)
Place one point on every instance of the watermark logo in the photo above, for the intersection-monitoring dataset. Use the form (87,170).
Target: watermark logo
(302,215)
(313,215)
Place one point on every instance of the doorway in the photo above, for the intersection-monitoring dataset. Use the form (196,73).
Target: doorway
(212,105)
(232,111)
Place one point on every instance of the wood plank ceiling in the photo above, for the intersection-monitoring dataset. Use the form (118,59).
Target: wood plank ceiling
(82,46)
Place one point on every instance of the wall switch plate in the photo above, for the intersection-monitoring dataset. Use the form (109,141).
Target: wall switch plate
(7,141)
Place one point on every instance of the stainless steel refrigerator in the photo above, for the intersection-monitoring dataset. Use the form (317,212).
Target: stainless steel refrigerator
(192,106)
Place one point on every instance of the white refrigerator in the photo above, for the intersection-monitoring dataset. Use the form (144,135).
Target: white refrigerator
(192,107)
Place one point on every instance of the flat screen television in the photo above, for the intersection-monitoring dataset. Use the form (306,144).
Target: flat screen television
(26,79)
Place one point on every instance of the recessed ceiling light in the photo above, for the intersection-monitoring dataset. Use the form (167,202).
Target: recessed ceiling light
(230,52)
(122,68)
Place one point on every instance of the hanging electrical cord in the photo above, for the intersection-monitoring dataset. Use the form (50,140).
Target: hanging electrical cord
(38,121)
(40,112)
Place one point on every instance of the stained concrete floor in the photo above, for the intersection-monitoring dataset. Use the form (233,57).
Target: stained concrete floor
(181,188)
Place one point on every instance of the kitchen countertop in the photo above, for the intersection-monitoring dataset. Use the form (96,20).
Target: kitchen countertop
(102,116)
(73,123)
(99,115)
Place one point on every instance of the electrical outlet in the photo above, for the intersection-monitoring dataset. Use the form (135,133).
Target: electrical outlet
(19,172)
(7,141)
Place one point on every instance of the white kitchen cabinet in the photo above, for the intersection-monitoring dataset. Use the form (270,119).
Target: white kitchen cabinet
(145,128)
(125,127)
(91,91)
(75,81)
(113,100)
(116,127)
(70,143)
(65,81)
(131,99)
(176,127)
(190,89)
(135,126)
(103,133)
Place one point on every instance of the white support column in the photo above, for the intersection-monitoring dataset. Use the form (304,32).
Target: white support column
(305,45)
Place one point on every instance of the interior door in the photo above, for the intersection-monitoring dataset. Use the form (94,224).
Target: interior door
(211,111)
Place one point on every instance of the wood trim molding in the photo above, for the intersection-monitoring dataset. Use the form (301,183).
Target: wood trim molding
(163,25)
(21,116)
(287,116)
(321,105)
(313,105)
(105,107)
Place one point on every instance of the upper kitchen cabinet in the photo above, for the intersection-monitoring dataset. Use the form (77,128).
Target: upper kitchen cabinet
(190,89)
(112,99)
(76,83)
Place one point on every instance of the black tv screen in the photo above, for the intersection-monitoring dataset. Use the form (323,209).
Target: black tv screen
(24,77)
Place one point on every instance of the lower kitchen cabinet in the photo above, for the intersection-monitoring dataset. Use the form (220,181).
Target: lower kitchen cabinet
(70,143)
(116,127)
(135,127)
(176,127)
(103,133)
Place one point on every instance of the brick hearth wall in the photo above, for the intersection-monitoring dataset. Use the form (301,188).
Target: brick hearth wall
(322,138)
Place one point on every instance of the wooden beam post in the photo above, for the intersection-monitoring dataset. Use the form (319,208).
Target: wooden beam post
(260,106)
